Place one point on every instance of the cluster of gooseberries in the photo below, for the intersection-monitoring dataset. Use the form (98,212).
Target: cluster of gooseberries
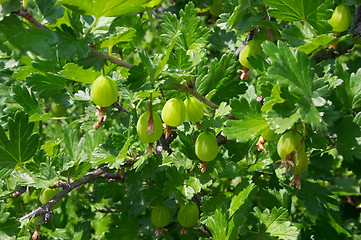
(174,113)
(290,148)
(187,216)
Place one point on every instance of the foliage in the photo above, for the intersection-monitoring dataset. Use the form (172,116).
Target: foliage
(308,80)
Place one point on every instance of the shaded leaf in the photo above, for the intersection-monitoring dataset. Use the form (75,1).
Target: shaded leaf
(20,144)
(50,12)
(69,46)
(27,100)
(17,40)
(46,85)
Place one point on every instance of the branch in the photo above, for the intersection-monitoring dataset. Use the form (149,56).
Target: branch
(111,59)
(248,38)
(23,12)
(46,209)
(120,107)
(194,93)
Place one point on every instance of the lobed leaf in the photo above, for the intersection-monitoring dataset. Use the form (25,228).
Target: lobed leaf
(20,144)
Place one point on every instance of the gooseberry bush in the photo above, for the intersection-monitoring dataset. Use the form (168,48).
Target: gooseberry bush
(207,119)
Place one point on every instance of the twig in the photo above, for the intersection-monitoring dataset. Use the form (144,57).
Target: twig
(23,12)
(46,209)
(116,61)
(120,107)
(194,93)
(248,38)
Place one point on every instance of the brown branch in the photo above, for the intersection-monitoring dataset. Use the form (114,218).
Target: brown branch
(194,93)
(249,37)
(16,193)
(46,209)
(120,107)
(23,12)
(116,61)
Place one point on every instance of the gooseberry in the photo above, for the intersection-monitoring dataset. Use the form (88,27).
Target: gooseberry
(149,130)
(104,91)
(173,112)
(341,18)
(161,216)
(206,146)
(47,194)
(291,149)
(188,216)
(57,110)
(194,109)
(252,48)
(287,143)
(300,160)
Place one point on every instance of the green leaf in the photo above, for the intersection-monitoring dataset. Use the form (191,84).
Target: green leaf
(317,199)
(317,43)
(171,27)
(76,73)
(69,46)
(138,77)
(250,123)
(239,199)
(123,35)
(105,8)
(293,10)
(274,99)
(17,40)
(120,159)
(354,89)
(222,110)
(281,124)
(237,14)
(220,73)
(180,60)
(347,141)
(346,186)
(277,223)
(119,231)
(27,100)
(9,226)
(312,11)
(46,85)
(160,66)
(191,186)
(194,35)
(50,12)
(217,224)
(294,71)
(20,144)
